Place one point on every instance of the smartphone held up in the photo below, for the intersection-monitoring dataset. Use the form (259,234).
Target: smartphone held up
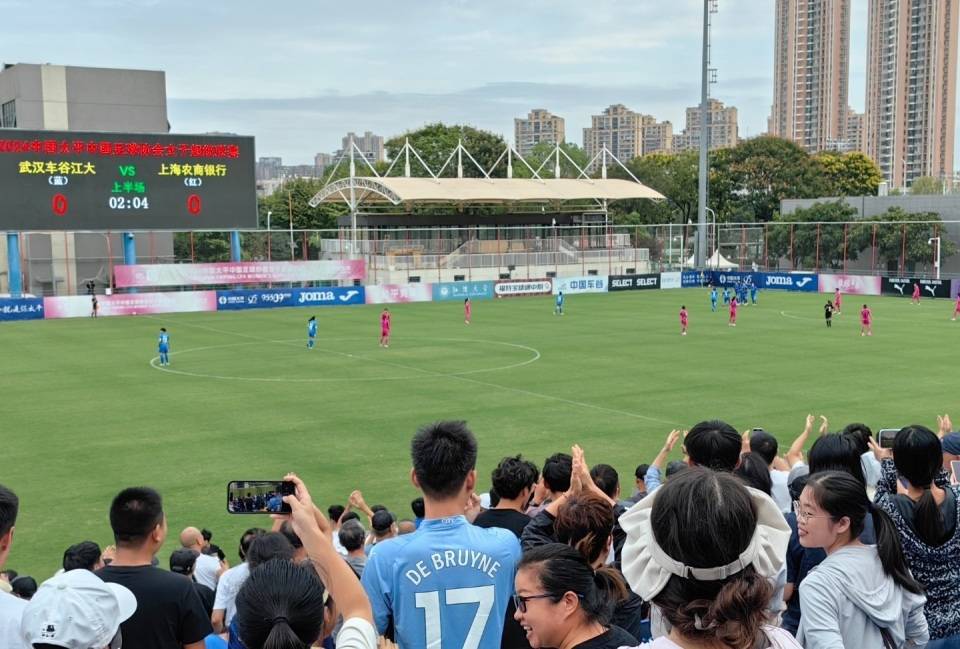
(258,496)
(885,437)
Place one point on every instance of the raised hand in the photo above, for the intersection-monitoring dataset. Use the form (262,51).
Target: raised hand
(944,426)
(880,453)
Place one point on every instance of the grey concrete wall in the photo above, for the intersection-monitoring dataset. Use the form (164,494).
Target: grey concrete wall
(123,101)
(22,83)
(98,99)
(948,207)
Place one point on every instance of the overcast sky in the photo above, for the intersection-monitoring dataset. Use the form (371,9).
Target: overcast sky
(298,75)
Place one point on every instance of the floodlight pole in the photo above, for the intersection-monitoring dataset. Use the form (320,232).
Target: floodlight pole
(716,242)
(293,246)
(701,251)
(269,254)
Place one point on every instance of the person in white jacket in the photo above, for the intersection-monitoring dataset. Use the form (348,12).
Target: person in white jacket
(860,596)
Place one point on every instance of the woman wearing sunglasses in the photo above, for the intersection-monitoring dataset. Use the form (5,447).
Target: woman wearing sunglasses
(561,601)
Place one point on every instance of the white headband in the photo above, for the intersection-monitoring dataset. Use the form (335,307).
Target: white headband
(648,567)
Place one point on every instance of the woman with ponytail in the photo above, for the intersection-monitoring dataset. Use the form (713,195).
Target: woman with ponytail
(283,605)
(562,602)
(703,549)
(925,512)
(860,596)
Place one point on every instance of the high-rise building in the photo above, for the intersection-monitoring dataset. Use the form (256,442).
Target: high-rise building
(370,145)
(856,131)
(657,136)
(268,168)
(724,130)
(911,88)
(540,126)
(811,72)
(620,129)
(323,161)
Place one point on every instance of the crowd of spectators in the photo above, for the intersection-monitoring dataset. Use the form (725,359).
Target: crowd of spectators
(722,542)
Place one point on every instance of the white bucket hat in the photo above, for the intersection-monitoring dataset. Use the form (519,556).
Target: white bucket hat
(77,610)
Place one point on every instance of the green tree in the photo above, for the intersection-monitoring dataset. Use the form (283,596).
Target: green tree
(925,185)
(756,174)
(545,150)
(899,241)
(674,176)
(435,143)
(849,174)
(206,247)
(815,236)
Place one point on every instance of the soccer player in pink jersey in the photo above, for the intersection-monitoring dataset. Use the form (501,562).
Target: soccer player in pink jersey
(467,309)
(733,312)
(956,309)
(866,321)
(385,327)
(836,302)
(915,299)
(683,320)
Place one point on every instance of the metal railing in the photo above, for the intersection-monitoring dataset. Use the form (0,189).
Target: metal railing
(62,263)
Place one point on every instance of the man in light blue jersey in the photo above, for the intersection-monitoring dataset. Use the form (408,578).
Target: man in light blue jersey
(713,298)
(163,347)
(311,331)
(447,585)
(558,307)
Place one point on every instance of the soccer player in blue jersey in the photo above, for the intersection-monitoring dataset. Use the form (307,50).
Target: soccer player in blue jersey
(726,295)
(753,293)
(163,347)
(447,585)
(713,298)
(558,305)
(311,331)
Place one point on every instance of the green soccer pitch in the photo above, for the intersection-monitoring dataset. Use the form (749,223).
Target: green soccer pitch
(86,411)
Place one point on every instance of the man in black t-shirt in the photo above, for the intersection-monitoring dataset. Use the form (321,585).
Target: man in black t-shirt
(169,613)
(828,313)
(513,481)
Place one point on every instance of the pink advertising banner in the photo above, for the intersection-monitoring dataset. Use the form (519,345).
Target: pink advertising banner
(78,306)
(241,272)
(850,284)
(398,293)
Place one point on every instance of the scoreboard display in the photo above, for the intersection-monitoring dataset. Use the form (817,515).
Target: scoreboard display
(73,180)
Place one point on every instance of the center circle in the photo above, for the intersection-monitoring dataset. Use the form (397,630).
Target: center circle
(408,359)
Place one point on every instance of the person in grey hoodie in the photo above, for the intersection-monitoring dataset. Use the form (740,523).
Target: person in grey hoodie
(860,596)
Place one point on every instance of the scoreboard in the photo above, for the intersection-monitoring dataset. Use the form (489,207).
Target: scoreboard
(73,180)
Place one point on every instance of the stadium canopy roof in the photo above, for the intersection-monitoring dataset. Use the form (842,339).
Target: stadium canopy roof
(435,187)
(397,190)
